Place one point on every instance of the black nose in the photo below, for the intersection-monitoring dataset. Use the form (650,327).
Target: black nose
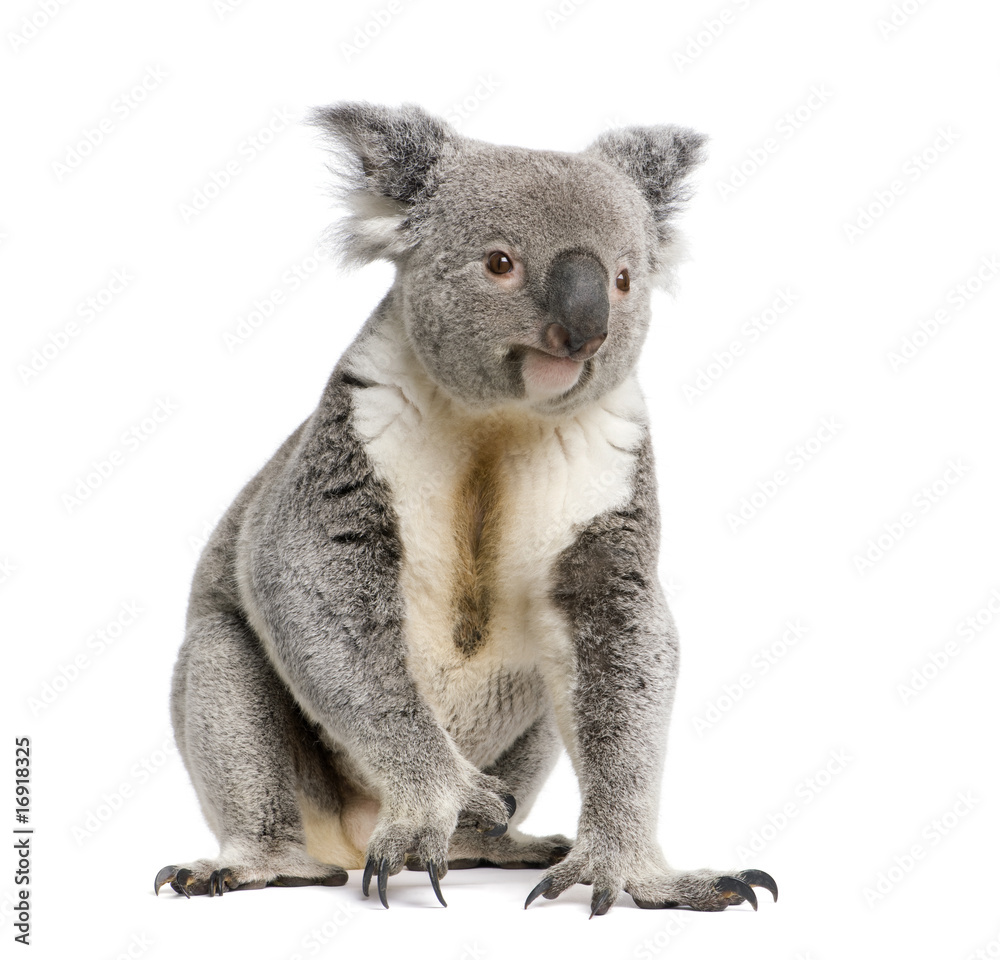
(577,305)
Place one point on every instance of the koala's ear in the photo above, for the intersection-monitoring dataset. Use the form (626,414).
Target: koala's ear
(658,160)
(386,160)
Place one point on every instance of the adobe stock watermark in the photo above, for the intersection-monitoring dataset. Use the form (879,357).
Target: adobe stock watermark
(558,14)
(878,547)
(323,934)
(9,907)
(898,16)
(932,835)
(987,951)
(138,946)
(751,331)
(267,304)
(198,541)
(32,24)
(791,122)
(937,661)
(126,789)
(462,110)
(669,931)
(793,463)
(760,665)
(581,507)
(119,110)
(7,570)
(222,177)
(94,646)
(130,441)
(914,168)
(86,312)
(369,31)
(473,951)
(710,30)
(226,8)
(955,300)
(805,793)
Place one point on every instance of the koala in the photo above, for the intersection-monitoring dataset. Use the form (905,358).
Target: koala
(448,572)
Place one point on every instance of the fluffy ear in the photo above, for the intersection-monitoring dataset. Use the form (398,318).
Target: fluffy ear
(658,160)
(386,160)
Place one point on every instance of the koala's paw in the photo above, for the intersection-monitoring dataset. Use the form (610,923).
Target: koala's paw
(700,889)
(697,890)
(216,877)
(419,838)
(512,851)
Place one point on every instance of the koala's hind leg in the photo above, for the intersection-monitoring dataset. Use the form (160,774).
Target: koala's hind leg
(237,730)
(523,767)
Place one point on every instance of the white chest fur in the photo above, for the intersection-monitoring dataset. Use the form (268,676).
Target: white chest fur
(486,503)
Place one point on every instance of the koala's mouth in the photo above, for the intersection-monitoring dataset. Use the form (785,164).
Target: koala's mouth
(546,376)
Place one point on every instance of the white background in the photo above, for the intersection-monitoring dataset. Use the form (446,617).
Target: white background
(875,808)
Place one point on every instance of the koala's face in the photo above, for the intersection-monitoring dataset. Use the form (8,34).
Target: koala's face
(529,278)
(524,275)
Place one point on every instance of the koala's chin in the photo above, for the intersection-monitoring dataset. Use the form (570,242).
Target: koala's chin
(547,377)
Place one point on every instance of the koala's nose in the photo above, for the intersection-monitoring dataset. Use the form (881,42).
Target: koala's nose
(577,306)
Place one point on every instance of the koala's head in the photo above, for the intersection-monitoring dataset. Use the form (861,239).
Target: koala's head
(522,275)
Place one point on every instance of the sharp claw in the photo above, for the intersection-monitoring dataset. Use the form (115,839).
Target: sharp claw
(543,886)
(732,886)
(600,903)
(217,883)
(180,882)
(383,879)
(366,879)
(165,875)
(433,871)
(757,878)
(499,829)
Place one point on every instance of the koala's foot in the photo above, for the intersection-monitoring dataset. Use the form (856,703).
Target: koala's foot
(700,890)
(696,890)
(420,839)
(215,877)
(513,850)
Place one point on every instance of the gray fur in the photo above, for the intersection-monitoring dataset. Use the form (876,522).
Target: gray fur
(303,700)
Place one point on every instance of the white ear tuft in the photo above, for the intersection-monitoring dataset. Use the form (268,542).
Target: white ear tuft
(384,160)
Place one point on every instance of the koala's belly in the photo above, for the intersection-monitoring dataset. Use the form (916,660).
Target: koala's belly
(485,506)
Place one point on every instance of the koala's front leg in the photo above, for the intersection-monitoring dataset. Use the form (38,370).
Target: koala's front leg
(615,709)
(320,580)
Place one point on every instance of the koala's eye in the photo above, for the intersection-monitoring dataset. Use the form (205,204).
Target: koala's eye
(622,282)
(499,263)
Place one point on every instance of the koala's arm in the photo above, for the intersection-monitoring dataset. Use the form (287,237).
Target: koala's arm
(319,577)
(624,669)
